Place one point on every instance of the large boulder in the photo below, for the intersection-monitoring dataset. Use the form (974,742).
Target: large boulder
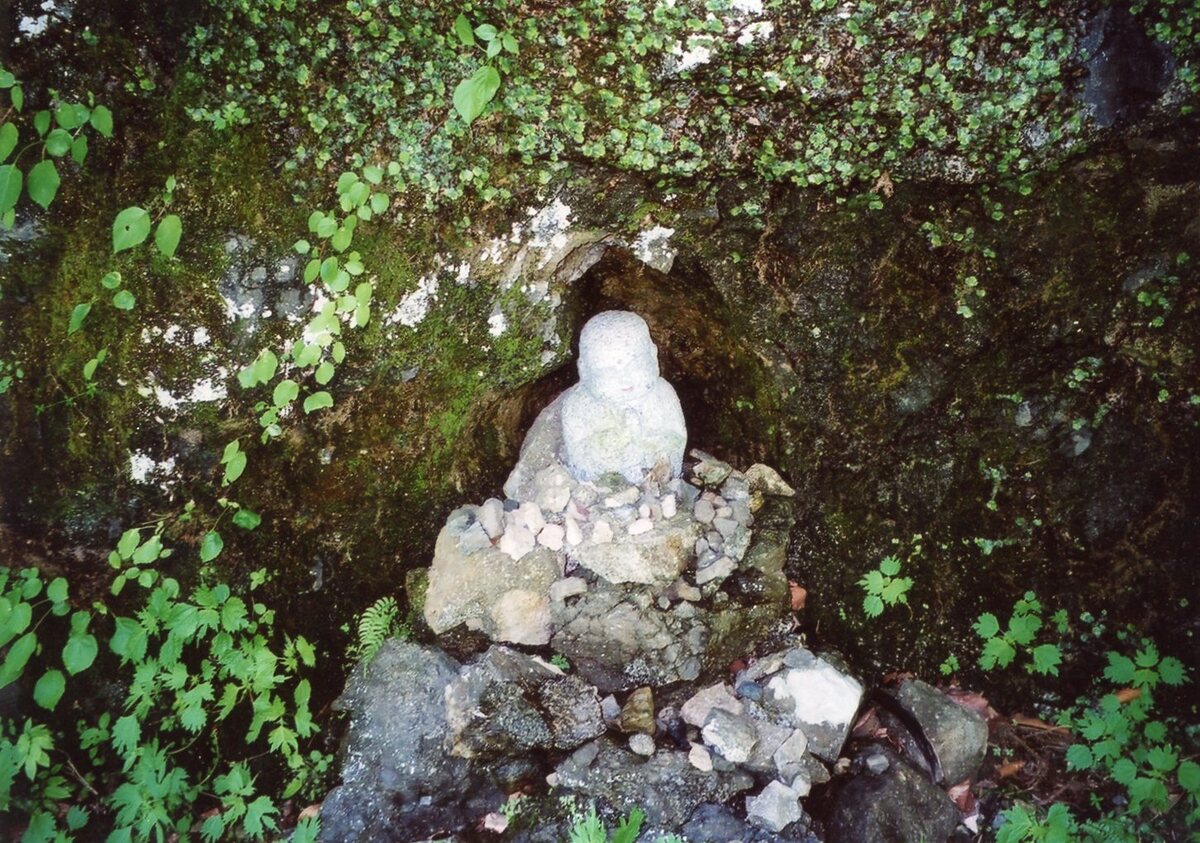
(398,781)
(899,805)
(958,735)
(507,703)
(500,593)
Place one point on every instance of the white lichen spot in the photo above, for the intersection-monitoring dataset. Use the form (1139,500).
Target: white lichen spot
(31,27)
(651,248)
(497,324)
(239,309)
(758,31)
(464,273)
(200,337)
(171,334)
(143,468)
(415,305)
(748,7)
(549,223)
(698,52)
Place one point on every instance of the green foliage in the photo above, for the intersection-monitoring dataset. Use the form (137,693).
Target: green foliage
(589,828)
(55,132)
(884,587)
(378,622)
(1001,647)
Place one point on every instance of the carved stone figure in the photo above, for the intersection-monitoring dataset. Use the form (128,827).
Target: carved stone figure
(621,417)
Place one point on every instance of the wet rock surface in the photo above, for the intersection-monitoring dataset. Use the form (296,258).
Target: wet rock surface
(899,804)
(958,736)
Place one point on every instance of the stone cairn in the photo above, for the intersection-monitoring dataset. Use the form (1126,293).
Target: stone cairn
(650,576)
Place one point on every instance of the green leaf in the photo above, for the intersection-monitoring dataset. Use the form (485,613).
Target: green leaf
(112,280)
(339,352)
(486,32)
(18,656)
(1171,671)
(57,590)
(890,566)
(1120,669)
(1162,758)
(1022,628)
(285,392)
(11,179)
(67,115)
(1079,757)
(79,653)
(41,122)
(8,140)
(1046,659)
(234,468)
(462,28)
(129,542)
(18,97)
(79,149)
(49,689)
(324,372)
(18,620)
(475,92)
(130,228)
(379,203)
(1189,777)
(510,43)
(126,737)
(211,546)
(77,316)
(166,236)
(247,519)
(627,831)
(311,270)
(102,121)
(124,300)
(341,239)
(302,247)
(873,605)
(307,830)
(259,817)
(317,401)
(43,183)
(1124,771)
(373,173)
(58,143)
(996,651)
(329,269)
(148,551)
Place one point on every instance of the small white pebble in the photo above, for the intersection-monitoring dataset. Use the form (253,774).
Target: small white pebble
(602,533)
(642,525)
(551,536)
(668,506)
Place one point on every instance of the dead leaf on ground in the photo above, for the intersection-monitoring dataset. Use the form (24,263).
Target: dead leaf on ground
(799,595)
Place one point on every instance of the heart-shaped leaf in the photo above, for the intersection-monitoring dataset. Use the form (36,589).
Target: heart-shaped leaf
(130,228)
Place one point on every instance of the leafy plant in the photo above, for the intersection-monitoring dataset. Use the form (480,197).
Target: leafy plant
(472,94)
(57,132)
(589,828)
(884,587)
(1001,646)
(378,622)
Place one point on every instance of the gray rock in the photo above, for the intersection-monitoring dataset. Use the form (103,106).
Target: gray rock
(642,744)
(696,710)
(709,471)
(491,517)
(716,823)
(567,587)
(958,735)
(490,591)
(666,786)
(655,557)
(776,807)
(717,571)
(876,763)
(541,449)
(899,805)
(789,757)
(398,781)
(704,512)
(817,698)
(764,479)
(553,486)
(507,703)
(732,735)
(637,715)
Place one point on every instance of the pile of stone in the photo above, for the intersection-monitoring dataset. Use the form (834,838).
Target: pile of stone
(628,581)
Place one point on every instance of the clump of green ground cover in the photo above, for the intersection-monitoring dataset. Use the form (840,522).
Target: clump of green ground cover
(811,92)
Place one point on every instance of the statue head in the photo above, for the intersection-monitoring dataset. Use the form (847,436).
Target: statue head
(618,361)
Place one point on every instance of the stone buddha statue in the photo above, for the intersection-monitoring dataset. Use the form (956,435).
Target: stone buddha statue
(621,417)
